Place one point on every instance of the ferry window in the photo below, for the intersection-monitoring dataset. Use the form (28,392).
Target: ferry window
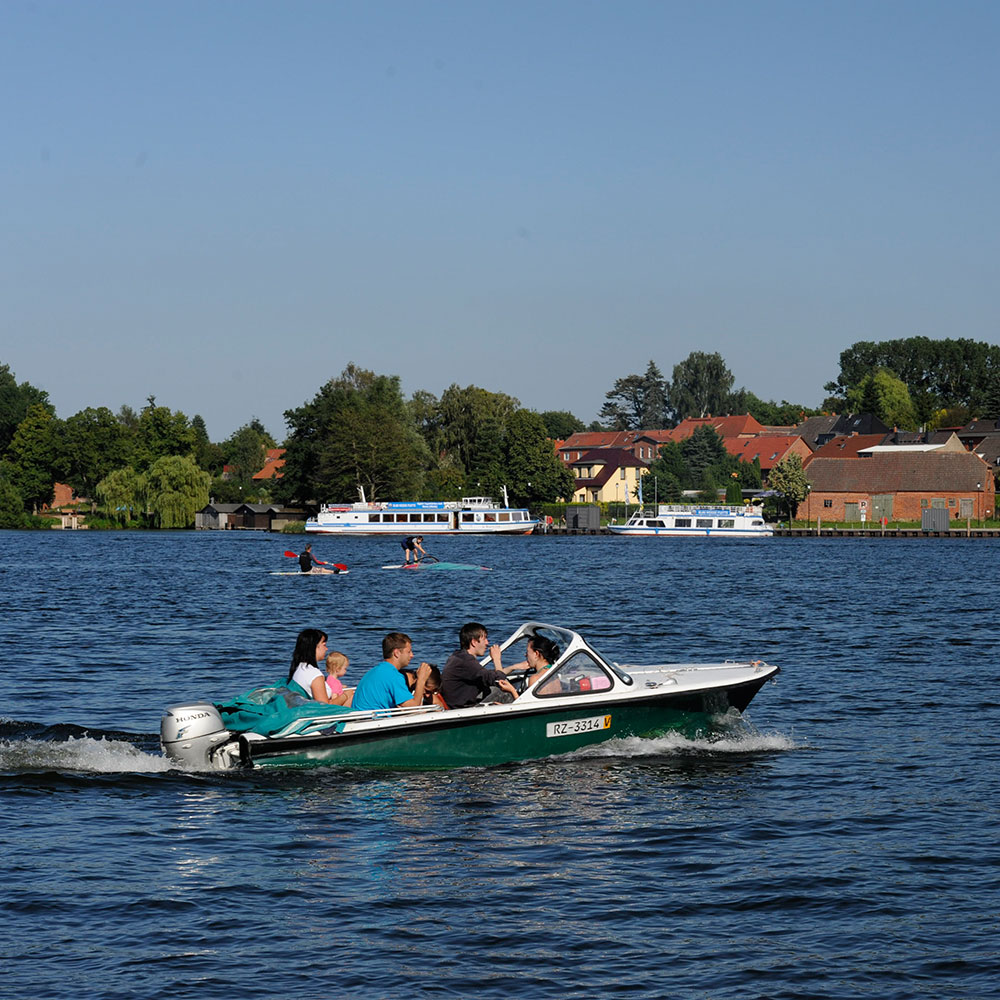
(402,518)
(489,517)
(430,518)
(468,516)
(682,522)
(580,674)
(517,516)
(656,524)
(505,517)
(703,522)
(375,518)
(827,503)
(442,518)
(727,522)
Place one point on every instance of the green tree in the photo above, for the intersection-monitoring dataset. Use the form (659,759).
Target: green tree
(161,432)
(15,400)
(769,413)
(176,489)
(122,494)
(789,479)
(425,412)
(357,431)
(938,373)
(559,424)
(11,502)
(245,450)
(207,454)
(734,492)
(32,456)
(886,396)
(473,422)
(90,444)
(704,452)
(638,402)
(533,472)
(668,475)
(701,386)
(660,486)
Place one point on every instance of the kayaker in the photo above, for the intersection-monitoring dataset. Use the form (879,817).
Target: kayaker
(463,681)
(307,561)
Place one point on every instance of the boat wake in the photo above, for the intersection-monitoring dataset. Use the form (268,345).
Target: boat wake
(30,747)
(674,744)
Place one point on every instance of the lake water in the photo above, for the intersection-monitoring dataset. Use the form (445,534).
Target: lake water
(843,843)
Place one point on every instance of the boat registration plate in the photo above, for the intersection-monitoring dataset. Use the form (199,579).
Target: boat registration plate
(578,726)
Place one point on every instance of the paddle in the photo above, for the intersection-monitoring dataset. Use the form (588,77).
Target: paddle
(319,562)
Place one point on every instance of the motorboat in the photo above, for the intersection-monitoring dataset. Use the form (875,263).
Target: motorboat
(687,520)
(583,699)
(468,516)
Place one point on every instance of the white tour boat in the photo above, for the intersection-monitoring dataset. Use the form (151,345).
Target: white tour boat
(687,520)
(468,516)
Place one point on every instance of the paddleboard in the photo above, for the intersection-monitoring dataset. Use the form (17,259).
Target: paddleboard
(437,565)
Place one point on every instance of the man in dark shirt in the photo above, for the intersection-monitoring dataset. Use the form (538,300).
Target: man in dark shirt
(463,681)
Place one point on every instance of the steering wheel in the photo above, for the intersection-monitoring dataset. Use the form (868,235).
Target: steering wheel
(520,679)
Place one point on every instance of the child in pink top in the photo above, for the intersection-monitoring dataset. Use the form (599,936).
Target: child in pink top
(336,667)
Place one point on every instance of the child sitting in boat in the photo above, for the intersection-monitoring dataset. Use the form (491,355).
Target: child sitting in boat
(336,667)
(432,687)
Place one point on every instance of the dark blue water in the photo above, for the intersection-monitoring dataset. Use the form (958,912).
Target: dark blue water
(842,844)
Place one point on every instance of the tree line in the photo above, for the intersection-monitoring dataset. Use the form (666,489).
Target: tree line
(157,466)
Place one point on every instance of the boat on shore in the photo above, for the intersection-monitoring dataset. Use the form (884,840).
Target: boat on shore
(697,521)
(584,699)
(468,516)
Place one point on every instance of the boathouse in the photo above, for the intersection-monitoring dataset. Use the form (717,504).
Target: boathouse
(899,485)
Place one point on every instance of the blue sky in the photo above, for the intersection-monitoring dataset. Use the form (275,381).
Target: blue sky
(222,204)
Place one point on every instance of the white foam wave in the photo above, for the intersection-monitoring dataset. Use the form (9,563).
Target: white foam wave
(82,753)
(676,743)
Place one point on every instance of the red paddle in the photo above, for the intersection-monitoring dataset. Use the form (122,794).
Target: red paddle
(319,562)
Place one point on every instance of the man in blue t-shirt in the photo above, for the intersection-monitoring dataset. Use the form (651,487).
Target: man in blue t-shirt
(384,685)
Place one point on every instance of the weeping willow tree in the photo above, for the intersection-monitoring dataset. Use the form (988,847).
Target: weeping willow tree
(175,490)
(122,495)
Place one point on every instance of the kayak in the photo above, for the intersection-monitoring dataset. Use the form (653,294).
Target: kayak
(437,565)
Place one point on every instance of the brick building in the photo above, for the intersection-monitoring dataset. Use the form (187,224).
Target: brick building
(899,486)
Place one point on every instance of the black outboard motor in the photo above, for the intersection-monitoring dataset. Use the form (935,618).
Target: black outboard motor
(189,733)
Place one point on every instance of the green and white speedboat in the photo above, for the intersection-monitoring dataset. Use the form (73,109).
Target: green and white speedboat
(582,700)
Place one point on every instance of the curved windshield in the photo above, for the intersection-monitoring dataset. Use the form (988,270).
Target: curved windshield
(580,674)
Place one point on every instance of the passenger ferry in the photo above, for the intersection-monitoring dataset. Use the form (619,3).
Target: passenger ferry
(469,516)
(686,520)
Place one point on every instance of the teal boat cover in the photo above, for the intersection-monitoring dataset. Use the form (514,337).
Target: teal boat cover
(267,709)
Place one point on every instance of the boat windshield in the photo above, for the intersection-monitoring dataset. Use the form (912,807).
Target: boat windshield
(579,674)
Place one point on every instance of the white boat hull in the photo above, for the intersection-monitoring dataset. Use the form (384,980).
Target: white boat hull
(684,521)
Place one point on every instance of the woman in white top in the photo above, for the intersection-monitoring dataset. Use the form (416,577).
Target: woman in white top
(310,650)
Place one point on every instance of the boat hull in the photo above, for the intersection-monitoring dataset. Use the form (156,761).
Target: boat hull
(621,529)
(488,736)
(522,528)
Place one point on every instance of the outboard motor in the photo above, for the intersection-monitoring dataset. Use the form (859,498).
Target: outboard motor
(189,733)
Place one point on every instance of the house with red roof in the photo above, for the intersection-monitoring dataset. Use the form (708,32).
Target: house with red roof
(739,426)
(768,449)
(605,475)
(273,462)
(899,483)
